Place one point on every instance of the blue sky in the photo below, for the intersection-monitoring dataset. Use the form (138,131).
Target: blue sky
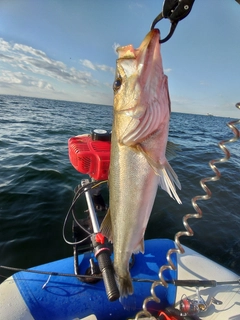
(64,49)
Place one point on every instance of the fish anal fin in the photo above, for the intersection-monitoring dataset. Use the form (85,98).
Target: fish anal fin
(106,226)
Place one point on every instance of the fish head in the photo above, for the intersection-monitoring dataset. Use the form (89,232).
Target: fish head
(139,74)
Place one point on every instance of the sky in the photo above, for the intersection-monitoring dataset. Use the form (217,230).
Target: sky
(65,50)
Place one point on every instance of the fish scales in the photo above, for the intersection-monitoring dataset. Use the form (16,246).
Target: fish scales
(138,162)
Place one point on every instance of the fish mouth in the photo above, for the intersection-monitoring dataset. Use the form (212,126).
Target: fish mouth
(149,49)
(151,39)
(149,44)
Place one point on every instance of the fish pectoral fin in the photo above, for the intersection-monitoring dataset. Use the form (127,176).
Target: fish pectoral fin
(106,226)
(149,117)
(170,154)
(146,125)
(167,181)
(140,247)
(167,176)
(156,166)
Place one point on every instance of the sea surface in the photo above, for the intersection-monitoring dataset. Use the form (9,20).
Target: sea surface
(37,181)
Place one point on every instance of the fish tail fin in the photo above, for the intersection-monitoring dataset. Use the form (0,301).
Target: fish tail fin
(125,285)
(167,181)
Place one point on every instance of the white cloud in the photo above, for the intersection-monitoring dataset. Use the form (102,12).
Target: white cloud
(34,61)
(44,85)
(31,72)
(4,45)
(5,58)
(22,79)
(102,67)
(204,83)
(168,70)
(135,5)
(88,64)
(8,77)
(30,50)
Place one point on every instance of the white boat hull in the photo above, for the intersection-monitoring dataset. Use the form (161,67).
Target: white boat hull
(191,266)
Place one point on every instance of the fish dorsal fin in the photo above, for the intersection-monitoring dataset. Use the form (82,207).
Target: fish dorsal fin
(106,226)
(171,150)
(148,119)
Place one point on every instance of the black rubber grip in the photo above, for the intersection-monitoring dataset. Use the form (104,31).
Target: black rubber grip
(195,283)
(105,266)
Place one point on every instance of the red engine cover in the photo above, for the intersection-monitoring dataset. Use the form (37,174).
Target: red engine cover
(90,157)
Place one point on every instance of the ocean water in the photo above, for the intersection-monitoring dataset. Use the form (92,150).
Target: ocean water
(37,181)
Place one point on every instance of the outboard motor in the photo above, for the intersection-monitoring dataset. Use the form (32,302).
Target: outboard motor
(90,153)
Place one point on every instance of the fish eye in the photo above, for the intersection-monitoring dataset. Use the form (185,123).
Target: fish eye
(117,83)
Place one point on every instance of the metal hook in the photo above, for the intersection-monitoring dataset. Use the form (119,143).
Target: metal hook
(172,29)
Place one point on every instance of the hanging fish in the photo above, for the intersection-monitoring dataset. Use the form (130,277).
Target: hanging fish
(138,161)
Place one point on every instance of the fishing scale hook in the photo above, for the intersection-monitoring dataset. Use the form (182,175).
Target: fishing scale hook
(174,10)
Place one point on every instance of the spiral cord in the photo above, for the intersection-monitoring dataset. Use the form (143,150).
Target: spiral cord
(197,215)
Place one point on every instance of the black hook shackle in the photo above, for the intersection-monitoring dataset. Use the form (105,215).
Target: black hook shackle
(174,10)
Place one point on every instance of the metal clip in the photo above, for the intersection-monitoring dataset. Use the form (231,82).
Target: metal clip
(174,10)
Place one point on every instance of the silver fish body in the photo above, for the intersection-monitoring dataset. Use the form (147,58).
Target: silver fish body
(138,163)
